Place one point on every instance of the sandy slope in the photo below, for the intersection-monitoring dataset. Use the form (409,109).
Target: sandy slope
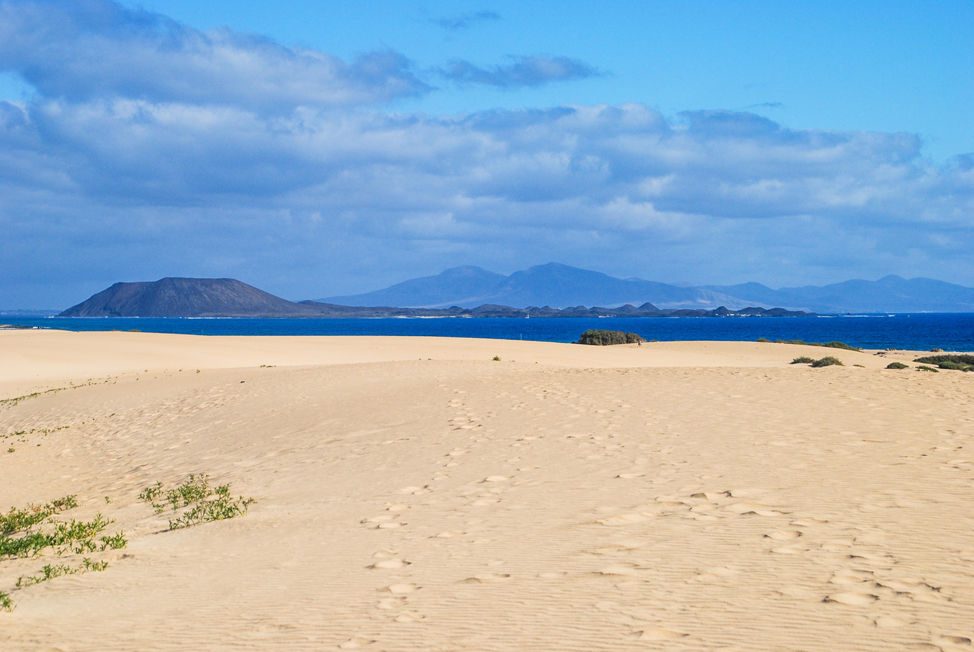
(689,496)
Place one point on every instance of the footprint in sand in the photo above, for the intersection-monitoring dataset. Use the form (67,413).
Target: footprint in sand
(783,535)
(409,617)
(496,478)
(889,622)
(356,642)
(711,495)
(488,578)
(401,589)
(852,599)
(715,574)
(951,641)
(747,509)
(788,550)
(449,535)
(847,576)
(659,634)
(624,519)
(390,564)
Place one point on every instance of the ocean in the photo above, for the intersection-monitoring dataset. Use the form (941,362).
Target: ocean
(949,331)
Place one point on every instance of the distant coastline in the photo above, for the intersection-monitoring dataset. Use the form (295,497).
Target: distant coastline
(192,297)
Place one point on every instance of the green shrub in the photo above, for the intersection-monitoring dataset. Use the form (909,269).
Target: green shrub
(205,504)
(497,358)
(763,340)
(6,604)
(802,360)
(956,366)
(830,345)
(606,338)
(924,367)
(22,519)
(897,365)
(827,361)
(840,345)
(960,358)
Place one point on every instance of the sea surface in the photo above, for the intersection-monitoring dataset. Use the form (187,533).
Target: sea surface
(951,332)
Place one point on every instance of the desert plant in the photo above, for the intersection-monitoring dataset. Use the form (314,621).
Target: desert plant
(827,361)
(897,365)
(205,503)
(29,531)
(607,338)
(497,358)
(49,572)
(956,366)
(763,340)
(804,359)
(839,345)
(960,358)
(924,367)
(830,345)
(114,542)
(21,519)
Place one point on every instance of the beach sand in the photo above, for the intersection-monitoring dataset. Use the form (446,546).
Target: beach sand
(414,494)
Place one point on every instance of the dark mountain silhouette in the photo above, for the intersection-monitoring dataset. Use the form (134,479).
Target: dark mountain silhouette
(224,297)
(888,294)
(553,284)
(187,297)
(459,286)
(562,286)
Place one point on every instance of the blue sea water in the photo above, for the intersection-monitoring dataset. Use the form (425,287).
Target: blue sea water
(951,332)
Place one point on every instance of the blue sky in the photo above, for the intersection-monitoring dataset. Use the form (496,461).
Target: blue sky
(318,148)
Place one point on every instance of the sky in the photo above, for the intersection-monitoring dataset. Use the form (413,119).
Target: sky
(318,148)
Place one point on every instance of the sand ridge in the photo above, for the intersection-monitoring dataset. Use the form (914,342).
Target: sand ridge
(584,502)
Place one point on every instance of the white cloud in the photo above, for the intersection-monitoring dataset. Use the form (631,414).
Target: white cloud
(96,48)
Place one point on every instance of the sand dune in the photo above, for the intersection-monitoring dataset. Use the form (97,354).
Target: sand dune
(413,494)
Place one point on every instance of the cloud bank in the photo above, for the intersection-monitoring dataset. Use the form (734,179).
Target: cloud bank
(294,180)
(88,49)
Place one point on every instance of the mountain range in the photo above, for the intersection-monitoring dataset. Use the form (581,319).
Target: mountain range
(562,286)
(227,297)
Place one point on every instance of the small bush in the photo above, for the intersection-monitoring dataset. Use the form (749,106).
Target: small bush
(924,367)
(897,365)
(205,504)
(956,366)
(6,604)
(839,345)
(22,519)
(763,340)
(607,338)
(830,345)
(827,361)
(114,542)
(496,358)
(957,358)
(802,360)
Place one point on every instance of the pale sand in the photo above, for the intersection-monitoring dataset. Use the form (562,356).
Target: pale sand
(685,496)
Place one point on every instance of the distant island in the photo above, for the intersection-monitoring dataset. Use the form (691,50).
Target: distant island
(563,286)
(225,297)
